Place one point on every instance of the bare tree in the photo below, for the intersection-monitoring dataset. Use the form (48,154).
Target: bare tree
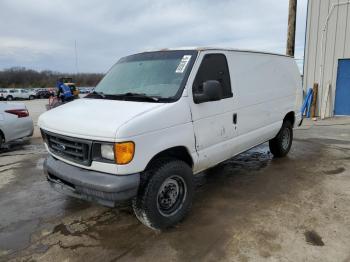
(27,78)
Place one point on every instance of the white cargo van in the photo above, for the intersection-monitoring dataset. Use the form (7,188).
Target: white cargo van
(158,118)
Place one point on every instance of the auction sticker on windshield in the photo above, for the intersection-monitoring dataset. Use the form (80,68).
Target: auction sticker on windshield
(183,63)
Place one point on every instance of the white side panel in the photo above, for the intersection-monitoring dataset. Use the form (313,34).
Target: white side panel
(313,35)
(316,44)
(150,144)
(236,146)
(158,130)
(212,121)
(347,37)
(329,55)
(267,89)
(307,46)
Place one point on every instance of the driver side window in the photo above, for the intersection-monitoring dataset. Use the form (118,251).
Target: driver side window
(214,67)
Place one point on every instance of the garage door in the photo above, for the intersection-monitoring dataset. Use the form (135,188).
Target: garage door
(342,93)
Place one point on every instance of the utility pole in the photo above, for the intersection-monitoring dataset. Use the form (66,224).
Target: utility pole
(292,19)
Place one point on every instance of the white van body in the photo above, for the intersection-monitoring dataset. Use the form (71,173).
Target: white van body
(266,89)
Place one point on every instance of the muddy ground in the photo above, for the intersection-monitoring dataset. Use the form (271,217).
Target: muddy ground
(249,208)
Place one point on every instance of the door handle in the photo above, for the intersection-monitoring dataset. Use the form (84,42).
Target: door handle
(235,118)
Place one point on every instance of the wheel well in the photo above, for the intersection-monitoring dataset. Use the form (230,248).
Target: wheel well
(179,152)
(290,117)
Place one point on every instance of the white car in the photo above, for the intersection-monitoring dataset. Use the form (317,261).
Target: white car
(16,93)
(159,118)
(15,122)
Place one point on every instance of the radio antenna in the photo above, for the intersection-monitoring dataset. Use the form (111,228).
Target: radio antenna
(76,56)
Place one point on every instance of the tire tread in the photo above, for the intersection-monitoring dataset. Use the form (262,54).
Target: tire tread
(149,179)
(275,144)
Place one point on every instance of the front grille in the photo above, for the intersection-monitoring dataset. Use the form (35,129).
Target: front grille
(70,148)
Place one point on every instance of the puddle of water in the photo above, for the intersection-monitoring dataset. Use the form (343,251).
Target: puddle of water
(22,148)
(252,160)
(6,177)
(335,171)
(3,253)
(39,163)
(18,237)
(313,238)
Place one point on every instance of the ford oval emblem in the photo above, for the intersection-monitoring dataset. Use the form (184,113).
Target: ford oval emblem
(61,147)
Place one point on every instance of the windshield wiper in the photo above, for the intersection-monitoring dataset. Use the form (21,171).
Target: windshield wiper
(138,95)
(95,94)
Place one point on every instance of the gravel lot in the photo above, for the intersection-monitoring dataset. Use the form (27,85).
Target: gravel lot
(249,208)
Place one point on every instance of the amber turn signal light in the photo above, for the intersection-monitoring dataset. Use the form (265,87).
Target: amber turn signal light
(124,152)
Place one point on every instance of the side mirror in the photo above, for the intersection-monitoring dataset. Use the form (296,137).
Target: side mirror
(210,90)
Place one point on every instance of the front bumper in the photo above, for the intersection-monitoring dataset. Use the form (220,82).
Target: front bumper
(106,189)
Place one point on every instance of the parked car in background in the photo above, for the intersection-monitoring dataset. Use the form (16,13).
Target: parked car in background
(15,122)
(85,90)
(2,95)
(16,93)
(43,94)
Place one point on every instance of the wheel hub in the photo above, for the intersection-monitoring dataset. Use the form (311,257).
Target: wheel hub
(171,195)
(285,138)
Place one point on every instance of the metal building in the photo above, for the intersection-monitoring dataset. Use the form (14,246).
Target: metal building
(327,55)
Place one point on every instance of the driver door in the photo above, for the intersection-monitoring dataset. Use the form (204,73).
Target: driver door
(214,122)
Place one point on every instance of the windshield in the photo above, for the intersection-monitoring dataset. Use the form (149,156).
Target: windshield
(160,75)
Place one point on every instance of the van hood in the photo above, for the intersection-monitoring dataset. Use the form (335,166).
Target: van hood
(97,119)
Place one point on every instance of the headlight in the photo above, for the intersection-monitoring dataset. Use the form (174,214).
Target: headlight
(107,151)
(119,153)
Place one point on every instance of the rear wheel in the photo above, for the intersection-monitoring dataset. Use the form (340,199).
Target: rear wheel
(9,98)
(165,194)
(31,97)
(281,144)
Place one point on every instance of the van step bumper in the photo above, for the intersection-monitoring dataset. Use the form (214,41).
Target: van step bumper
(106,189)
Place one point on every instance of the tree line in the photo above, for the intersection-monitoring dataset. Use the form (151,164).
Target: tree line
(21,77)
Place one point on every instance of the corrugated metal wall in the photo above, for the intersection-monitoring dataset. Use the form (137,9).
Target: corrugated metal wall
(321,59)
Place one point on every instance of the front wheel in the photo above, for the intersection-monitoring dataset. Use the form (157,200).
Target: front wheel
(165,194)
(281,144)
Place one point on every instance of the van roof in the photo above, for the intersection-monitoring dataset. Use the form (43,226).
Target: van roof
(219,48)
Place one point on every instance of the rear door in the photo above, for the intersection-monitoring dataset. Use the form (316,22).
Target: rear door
(214,121)
(23,94)
(14,93)
(342,92)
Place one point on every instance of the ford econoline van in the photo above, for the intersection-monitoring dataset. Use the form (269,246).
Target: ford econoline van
(158,118)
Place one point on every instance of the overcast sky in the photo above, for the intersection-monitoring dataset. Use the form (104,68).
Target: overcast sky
(40,34)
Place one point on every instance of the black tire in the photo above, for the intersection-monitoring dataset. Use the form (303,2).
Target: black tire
(281,144)
(153,205)
(9,98)
(31,97)
(1,139)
